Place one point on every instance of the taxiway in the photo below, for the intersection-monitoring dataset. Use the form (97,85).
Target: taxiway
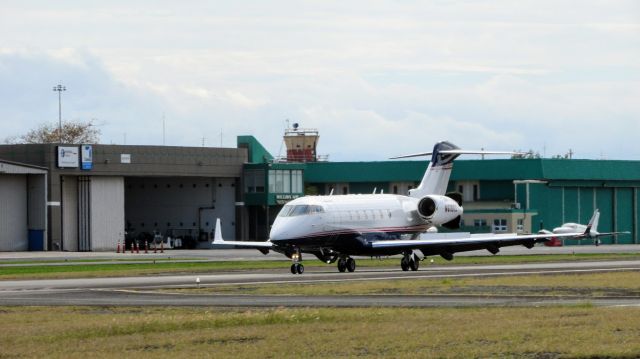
(139,291)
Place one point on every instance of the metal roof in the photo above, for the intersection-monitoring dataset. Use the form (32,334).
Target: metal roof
(20,168)
(546,169)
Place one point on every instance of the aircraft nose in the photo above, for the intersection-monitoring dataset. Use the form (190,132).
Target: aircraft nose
(277,233)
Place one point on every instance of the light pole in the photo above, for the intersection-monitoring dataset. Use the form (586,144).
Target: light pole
(59,89)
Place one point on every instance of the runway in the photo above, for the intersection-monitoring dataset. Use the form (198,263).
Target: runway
(143,291)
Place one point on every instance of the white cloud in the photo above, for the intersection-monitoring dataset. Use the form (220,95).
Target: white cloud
(377,79)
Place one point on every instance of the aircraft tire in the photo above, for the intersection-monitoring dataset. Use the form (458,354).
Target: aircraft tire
(351,264)
(342,265)
(294,270)
(404,264)
(414,265)
(300,268)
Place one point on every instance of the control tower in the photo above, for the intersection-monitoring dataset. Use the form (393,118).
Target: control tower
(301,144)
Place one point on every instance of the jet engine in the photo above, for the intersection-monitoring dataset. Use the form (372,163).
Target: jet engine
(440,211)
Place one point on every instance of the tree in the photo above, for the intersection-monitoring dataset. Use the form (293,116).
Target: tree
(73,132)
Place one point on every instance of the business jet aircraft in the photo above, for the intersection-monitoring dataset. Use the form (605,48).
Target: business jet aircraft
(336,227)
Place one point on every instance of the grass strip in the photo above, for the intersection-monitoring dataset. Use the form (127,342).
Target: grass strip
(114,260)
(167,266)
(610,284)
(549,332)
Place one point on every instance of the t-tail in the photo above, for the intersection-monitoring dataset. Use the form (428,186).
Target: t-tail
(436,177)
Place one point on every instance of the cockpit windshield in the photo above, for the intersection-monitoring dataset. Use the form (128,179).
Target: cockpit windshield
(299,210)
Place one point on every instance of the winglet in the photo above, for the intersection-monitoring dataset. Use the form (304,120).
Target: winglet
(592,227)
(217,236)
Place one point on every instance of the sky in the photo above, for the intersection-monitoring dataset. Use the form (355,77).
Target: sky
(376,78)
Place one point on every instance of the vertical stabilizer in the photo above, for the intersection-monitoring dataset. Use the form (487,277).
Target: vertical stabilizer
(592,227)
(217,236)
(436,177)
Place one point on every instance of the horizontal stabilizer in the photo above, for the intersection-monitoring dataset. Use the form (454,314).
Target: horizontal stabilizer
(460,152)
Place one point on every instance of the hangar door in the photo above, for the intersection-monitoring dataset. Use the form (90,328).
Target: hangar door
(13,213)
(92,213)
(180,206)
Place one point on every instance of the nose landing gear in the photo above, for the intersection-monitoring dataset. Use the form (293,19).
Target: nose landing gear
(346,264)
(296,266)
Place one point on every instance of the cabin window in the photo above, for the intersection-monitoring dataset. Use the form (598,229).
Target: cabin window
(315,209)
(299,210)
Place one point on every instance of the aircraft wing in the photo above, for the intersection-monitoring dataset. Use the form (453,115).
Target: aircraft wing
(449,243)
(446,244)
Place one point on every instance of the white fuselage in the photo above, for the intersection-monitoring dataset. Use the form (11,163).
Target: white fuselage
(333,215)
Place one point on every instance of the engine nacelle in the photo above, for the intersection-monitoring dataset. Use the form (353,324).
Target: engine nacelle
(440,211)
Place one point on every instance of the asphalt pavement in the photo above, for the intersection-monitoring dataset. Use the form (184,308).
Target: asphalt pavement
(139,291)
(252,254)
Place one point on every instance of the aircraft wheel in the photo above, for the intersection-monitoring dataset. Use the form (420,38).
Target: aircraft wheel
(351,264)
(300,268)
(414,265)
(404,264)
(342,265)
(294,270)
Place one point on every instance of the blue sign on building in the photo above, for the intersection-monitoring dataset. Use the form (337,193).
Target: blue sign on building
(87,157)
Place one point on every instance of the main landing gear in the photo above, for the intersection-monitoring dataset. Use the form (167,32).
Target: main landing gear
(411,261)
(346,264)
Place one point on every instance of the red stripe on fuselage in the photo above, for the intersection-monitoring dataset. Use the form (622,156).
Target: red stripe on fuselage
(413,229)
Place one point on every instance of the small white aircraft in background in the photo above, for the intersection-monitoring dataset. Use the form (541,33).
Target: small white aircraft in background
(591,228)
(336,227)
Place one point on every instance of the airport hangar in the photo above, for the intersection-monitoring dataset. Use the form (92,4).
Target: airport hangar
(96,193)
(179,191)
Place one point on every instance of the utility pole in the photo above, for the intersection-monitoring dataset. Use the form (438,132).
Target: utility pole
(59,89)
(163,130)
